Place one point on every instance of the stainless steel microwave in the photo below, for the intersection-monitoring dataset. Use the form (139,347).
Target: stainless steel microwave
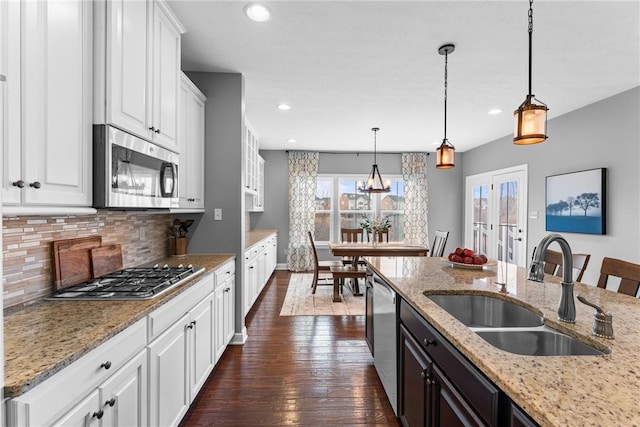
(132,173)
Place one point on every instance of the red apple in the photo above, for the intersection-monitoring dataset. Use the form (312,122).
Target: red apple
(484,258)
(459,251)
(467,260)
(469,253)
(451,255)
(477,260)
(456,258)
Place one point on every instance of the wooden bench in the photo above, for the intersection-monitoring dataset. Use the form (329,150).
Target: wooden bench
(347,272)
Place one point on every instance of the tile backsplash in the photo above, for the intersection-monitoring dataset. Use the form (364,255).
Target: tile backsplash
(28,264)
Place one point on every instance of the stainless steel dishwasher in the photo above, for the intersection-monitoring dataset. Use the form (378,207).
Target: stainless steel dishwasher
(384,337)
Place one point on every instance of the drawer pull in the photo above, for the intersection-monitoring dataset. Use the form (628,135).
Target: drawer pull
(227,289)
(106,365)
(427,342)
(19,183)
(98,414)
(111,402)
(193,322)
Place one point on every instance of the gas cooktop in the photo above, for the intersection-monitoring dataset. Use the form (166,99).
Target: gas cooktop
(130,284)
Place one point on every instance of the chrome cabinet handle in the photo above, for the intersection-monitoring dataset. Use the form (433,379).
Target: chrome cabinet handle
(111,402)
(35,184)
(98,414)
(19,183)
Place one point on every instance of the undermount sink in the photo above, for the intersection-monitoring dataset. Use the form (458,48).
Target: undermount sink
(485,311)
(511,327)
(541,341)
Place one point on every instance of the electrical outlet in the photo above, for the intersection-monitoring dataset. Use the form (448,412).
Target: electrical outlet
(217,214)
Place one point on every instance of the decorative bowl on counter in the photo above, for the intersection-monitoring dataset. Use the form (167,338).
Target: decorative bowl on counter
(489,263)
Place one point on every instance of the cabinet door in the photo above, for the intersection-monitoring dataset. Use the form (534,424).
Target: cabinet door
(191,141)
(10,67)
(201,343)
(128,65)
(450,409)
(219,296)
(85,414)
(56,102)
(123,397)
(414,383)
(166,79)
(168,393)
(229,309)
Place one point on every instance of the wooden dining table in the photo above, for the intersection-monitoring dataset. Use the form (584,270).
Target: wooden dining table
(357,250)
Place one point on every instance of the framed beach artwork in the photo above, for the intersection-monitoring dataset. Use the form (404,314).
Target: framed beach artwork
(576,202)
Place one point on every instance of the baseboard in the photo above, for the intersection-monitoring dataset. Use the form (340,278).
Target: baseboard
(239,338)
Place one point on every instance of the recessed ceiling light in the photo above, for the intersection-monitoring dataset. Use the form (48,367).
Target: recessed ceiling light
(284,107)
(495,111)
(291,141)
(257,12)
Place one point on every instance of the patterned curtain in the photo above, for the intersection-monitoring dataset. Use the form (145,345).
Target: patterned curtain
(414,174)
(303,171)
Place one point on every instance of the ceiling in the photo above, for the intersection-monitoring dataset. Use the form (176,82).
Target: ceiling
(348,66)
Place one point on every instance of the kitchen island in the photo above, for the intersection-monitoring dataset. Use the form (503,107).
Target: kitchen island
(552,390)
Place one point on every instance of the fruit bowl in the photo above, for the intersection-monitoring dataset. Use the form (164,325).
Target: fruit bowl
(489,263)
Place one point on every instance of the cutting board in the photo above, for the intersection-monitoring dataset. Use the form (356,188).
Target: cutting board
(106,259)
(72,260)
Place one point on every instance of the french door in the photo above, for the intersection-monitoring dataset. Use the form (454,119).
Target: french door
(496,214)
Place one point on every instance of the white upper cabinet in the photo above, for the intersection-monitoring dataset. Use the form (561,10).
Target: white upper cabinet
(191,140)
(137,64)
(47,53)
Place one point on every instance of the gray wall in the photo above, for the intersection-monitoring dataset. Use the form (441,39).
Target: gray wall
(445,198)
(604,134)
(224,174)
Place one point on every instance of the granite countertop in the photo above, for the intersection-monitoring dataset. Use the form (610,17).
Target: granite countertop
(254,236)
(42,338)
(553,390)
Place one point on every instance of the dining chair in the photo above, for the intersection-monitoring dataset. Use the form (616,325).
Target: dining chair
(320,267)
(629,274)
(383,235)
(351,235)
(439,242)
(553,264)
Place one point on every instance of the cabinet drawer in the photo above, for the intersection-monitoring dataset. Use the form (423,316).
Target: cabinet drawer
(476,389)
(54,396)
(225,271)
(166,315)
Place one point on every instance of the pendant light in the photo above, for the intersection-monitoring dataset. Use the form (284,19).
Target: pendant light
(530,119)
(445,154)
(374,183)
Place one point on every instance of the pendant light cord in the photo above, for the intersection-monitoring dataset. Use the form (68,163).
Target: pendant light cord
(446,56)
(530,41)
(375,132)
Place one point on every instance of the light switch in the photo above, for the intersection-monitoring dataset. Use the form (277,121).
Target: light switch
(217,214)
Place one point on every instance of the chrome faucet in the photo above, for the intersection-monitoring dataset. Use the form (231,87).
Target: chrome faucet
(567,308)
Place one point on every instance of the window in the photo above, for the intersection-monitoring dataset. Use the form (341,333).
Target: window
(340,204)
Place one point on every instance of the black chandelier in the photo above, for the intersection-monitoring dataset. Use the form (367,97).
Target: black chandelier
(374,183)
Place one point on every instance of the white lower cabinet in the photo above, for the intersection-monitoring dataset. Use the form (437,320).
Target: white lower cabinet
(76,394)
(259,263)
(224,297)
(146,375)
(169,397)
(123,397)
(181,358)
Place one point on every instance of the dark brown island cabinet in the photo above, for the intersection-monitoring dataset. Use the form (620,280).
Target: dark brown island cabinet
(438,386)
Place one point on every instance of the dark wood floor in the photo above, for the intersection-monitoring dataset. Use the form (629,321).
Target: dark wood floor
(294,370)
